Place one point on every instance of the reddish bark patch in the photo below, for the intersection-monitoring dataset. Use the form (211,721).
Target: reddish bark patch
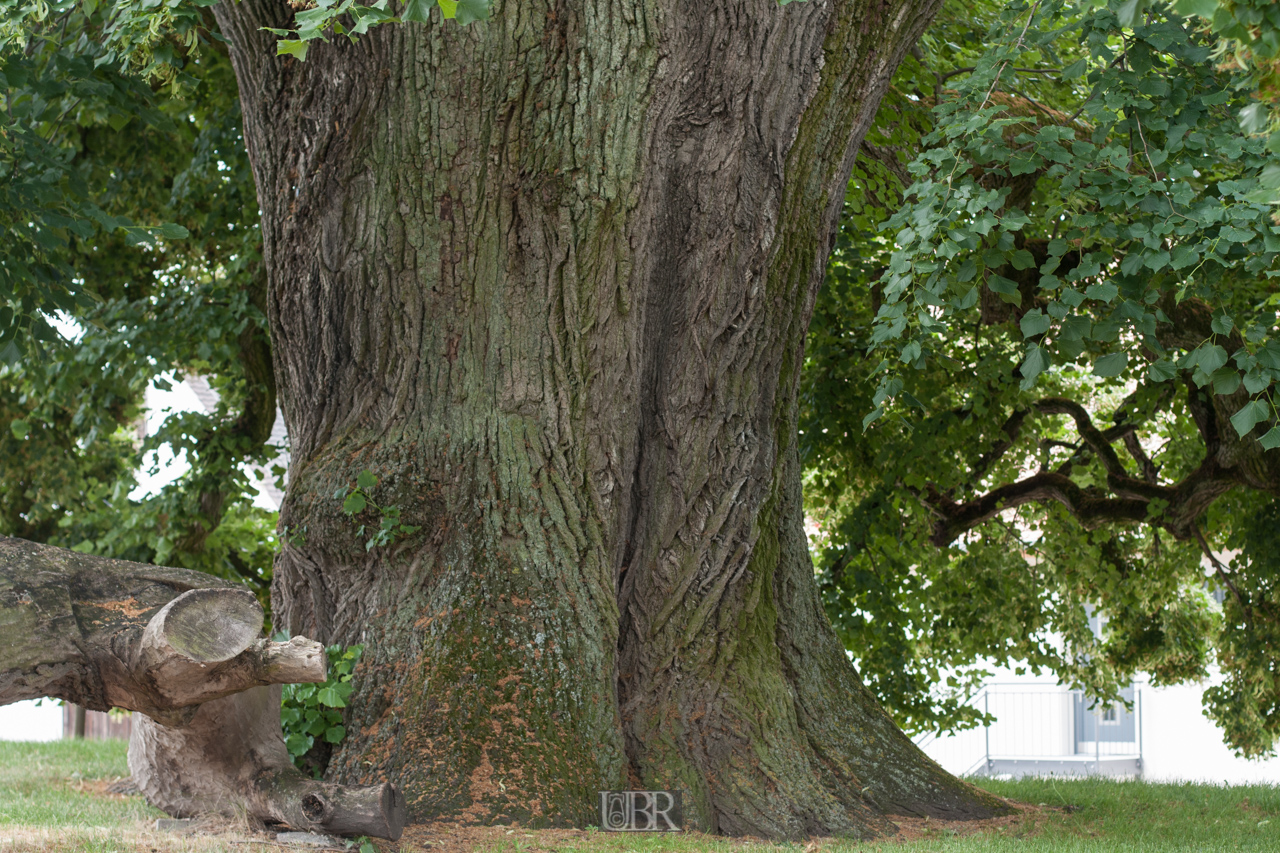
(129,607)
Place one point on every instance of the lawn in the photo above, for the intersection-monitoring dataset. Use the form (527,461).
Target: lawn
(54,797)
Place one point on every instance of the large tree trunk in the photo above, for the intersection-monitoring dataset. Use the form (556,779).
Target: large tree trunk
(182,648)
(549,277)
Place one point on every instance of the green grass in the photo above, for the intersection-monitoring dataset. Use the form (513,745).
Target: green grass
(1133,816)
(51,799)
(44,784)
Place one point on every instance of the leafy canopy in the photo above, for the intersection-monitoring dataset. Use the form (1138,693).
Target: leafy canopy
(1040,380)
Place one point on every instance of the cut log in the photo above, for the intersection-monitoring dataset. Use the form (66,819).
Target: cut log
(232,756)
(182,648)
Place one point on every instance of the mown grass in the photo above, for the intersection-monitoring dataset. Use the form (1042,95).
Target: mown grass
(52,799)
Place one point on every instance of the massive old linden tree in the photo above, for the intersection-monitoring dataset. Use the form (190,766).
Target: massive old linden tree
(532,295)
(547,277)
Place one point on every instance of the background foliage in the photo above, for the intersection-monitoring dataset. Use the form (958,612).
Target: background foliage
(1058,241)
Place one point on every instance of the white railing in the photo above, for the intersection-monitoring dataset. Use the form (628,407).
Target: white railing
(1043,730)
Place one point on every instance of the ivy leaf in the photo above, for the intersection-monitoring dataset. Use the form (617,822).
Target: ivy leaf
(292,47)
(354,503)
(1111,365)
(328,696)
(366,480)
(1253,413)
(417,11)
(469,11)
(335,734)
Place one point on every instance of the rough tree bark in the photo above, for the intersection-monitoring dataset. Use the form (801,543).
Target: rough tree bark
(182,648)
(549,277)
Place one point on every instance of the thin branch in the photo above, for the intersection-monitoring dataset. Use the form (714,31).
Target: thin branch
(1218,568)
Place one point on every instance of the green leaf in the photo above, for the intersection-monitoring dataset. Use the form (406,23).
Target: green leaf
(329,696)
(1255,381)
(1226,381)
(1271,440)
(469,11)
(335,734)
(1162,370)
(1222,324)
(417,11)
(174,231)
(10,353)
(298,744)
(1034,323)
(1210,357)
(292,47)
(19,428)
(366,480)
(1249,416)
(1022,260)
(1203,8)
(354,503)
(871,417)
(1130,12)
(449,8)
(1075,69)
(1005,289)
(1036,362)
(1253,118)
(1111,365)
(1105,292)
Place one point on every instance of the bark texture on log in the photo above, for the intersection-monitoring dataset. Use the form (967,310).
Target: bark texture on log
(549,278)
(182,648)
(113,634)
(231,757)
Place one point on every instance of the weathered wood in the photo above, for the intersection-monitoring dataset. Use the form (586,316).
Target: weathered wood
(182,648)
(113,634)
(232,756)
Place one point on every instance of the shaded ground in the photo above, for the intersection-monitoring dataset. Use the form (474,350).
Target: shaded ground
(65,796)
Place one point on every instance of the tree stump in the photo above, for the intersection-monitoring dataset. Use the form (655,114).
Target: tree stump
(181,648)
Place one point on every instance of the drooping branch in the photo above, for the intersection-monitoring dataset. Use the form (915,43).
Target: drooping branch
(1127,499)
(1090,506)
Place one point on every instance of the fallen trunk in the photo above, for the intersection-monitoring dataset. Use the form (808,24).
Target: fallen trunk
(182,648)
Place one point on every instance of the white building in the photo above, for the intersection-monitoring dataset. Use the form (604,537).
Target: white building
(1042,728)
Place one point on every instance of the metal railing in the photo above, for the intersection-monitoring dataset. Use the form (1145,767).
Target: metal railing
(1039,730)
